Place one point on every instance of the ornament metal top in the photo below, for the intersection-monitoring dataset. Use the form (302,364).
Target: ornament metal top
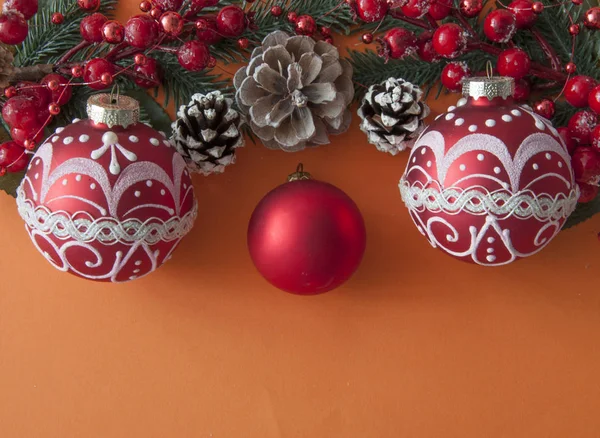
(490,87)
(113,110)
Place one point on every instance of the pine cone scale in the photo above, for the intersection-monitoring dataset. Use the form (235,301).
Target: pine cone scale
(270,80)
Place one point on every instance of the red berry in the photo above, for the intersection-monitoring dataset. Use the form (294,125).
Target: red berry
(577,2)
(29,145)
(54,109)
(106,79)
(329,40)
(206,30)
(36,134)
(367,38)
(212,61)
(415,8)
(440,9)
(514,63)
(500,26)
(586,165)
(21,112)
(243,43)
(588,192)
(594,99)
(113,32)
(453,74)
(398,43)
(276,11)
(150,69)
(155,13)
(53,85)
(578,89)
(425,48)
(141,31)
(591,19)
(538,7)
(568,139)
(325,31)
(523,12)
(10,92)
(545,108)
(574,29)
(13,28)
(94,69)
(581,125)
(205,3)
(168,5)
(292,17)
(522,90)
(171,23)
(13,157)
(26,7)
(77,71)
(471,8)
(63,93)
(371,10)
(231,21)
(88,5)
(90,28)
(305,25)
(139,59)
(595,138)
(39,93)
(58,18)
(571,68)
(145,6)
(449,40)
(193,55)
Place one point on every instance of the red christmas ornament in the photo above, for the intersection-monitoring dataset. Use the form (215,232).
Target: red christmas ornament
(370,11)
(568,139)
(367,38)
(471,8)
(206,30)
(578,89)
(58,18)
(581,125)
(276,11)
(306,237)
(545,108)
(193,55)
(586,165)
(415,8)
(538,7)
(489,182)
(94,72)
(89,5)
(449,40)
(145,6)
(231,21)
(594,99)
(425,48)
(171,23)
(91,26)
(588,192)
(570,68)
(168,5)
(13,28)
(150,70)
(292,17)
(26,7)
(141,31)
(440,9)
(77,71)
(523,12)
(398,43)
(113,32)
(107,202)
(13,158)
(500,26)
(453,75)
(591,19)
(305,25)
(514,63)
(21,112)
(243,43)
(574,29)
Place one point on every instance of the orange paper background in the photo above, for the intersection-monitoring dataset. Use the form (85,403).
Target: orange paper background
(415,345)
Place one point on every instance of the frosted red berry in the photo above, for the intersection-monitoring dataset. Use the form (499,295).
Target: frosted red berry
(150,73)
(13,28)
(398,43)
(305,25)
(425,48)
(513,62)
(470,8)
(449,40)
(141,31)
(35,135)
(168,5)
(594,99)
(231,21)
(578,89)
(90,27)
(500,26)
(440,9)
(370,11)
(292,17)
(20,112)
(581,125)
(415,8)
(38,93)
(193,55)
(523,12)
(325,31)
(13,157)
(62,94)
(88,5)
(94,71)
(206,30)
(453,74)
(26,7)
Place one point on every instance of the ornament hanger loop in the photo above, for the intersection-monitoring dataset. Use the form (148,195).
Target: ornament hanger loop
(299,174)
(112,92)
(489,69)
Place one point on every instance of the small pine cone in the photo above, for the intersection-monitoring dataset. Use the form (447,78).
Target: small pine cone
(6,66)
(392,115)
(207,133)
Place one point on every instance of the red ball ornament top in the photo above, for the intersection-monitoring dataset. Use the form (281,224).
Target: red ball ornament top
(107,199)
(489,181)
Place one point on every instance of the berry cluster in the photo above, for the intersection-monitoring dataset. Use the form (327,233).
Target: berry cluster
(13,20)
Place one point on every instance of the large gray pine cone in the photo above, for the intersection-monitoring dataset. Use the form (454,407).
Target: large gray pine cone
(295,92)
(207,133)
(392,115)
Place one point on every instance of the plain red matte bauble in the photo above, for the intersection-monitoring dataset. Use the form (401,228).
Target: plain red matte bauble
(578,89)
(398,43)
(26,7)
(13,28)
(500,25)
(489,181)
(370,11)
(440,9)
(141,31)
(306,237)
(193,55)
(453,74)
(586,165)
(231,21)
(107,203)
(449,40)
(91,26)
(581,125)
(513,62)
(415,8)
(471,8)
(94,69)
(524,14)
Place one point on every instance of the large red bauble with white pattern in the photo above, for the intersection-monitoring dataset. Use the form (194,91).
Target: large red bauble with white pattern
(107,203)
(489,181)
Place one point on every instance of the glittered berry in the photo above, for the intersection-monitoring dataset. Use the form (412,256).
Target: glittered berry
(141,31)
(63,92)
(587,192)
(243,43)
(58,18)
(568,139)
(453,74)
(522,90)
(581,125)
(231,21)
(523,12)
(513,62)
(276,11)
(91,26)
(586,165)
(193,55)
(571,68)
(538,7)
(591,19)
(94,69)
(449,40)
(470,8)
(370,11)
(398,43)
(545,108)
(292,17)
(88,5)
(425,48)
(578,89)
(26,7)
(574,29)
(113,32)
(168,5)
(13,157)
(500,26)
(206,30)
(305,25)
(20,112)
(13,28)
(594,99)
(415,8)
(171,23)
(440,9)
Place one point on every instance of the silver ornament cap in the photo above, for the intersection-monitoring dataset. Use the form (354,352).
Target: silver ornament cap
(113,110)
(490,87)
